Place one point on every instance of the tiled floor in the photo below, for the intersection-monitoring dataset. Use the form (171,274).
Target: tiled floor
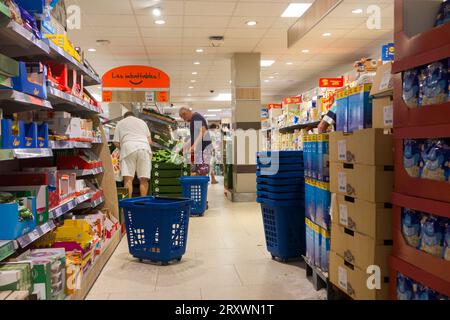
(226,258)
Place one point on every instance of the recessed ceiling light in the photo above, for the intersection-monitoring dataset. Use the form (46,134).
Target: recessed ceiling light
(357,11)
(271,77)
(326,34)
(305,50)
(189,95)
(195,73)
(199,50)
(214,110)
(266,80)
(231,81)
(191,87)
(193,81)
(92,50)
(160,22)
(295,10)
(276,73)
(267,63)
(156,12)
(289,63)
(210,115)
(223,97)
(196,62)
(251,23)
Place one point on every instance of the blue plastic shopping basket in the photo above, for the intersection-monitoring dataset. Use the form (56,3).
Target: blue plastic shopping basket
(157,228)
(284,228)
(196,189)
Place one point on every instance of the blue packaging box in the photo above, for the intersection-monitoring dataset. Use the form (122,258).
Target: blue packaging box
(342,110)
(325,249)
(42,139)
(11,227)
(323,202)
(314,156)
(359,108)
(317,245)
(34,85)
(31,135)
(323,161)
(12,139)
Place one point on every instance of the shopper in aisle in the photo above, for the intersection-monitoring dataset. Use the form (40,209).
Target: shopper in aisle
(133,138)
(200,142)
(213,132)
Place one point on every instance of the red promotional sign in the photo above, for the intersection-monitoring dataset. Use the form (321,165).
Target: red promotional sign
(162,97)
(134,77)
(293,100)
(275,106)
(331,82)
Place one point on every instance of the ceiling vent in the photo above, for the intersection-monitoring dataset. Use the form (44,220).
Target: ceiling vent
(102,42)
(216,41)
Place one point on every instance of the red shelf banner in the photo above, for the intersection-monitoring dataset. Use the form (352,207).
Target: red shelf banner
(331,82)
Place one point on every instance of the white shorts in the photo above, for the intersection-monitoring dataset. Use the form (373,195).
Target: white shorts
(137,162)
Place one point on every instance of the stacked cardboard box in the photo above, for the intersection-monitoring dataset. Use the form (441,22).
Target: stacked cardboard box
(382,93)
(361,180)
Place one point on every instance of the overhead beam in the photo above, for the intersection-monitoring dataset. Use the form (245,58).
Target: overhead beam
(318,10)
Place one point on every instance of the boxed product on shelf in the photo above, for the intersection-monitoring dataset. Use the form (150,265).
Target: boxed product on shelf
(16,276)
(40,193)
(13,134)
(383,84)
(51,179)
(409,289)
(75,83)
(383,112)
(9,68)
(48,115)
(360,250)
(58,75)
(66,185)
(365,182)
(317,202)
(80,160)
(368,218)
(359,107)
(353,280)
(31,135)
(42,138)
(18,216)
(57,258)
(70,127)
(63,42)
(31,79)
(342,110)
(368,146)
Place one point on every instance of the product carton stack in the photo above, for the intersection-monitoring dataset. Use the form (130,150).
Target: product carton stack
(361,182)
(382,93)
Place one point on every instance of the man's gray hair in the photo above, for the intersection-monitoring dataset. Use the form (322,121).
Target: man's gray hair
(183,109)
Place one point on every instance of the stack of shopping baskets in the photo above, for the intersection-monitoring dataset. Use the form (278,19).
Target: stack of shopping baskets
(280,191)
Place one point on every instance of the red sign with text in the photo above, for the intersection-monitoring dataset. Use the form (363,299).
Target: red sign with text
(331,82)
(275,106)
(293,100)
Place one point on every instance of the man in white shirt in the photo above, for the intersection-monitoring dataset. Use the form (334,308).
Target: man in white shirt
(133,138)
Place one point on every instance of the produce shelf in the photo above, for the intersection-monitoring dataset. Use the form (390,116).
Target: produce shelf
(37,233)
(7,248)
(433,265)
(148,117)
(420,116)
(68,144)
(67,102)
(15,101)
(417,187)
(11,154)
(299,127)
(399,265)
(16,41)
(423,48)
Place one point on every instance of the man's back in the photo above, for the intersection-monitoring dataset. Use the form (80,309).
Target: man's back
(132,133)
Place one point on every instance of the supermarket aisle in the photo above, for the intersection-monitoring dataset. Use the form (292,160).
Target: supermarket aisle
(225,259)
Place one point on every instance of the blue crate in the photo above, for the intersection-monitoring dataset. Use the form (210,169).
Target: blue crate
(283,175)
(11,228)
(196,189)
(275,189)
(157,228)
(280,154)
(280,182)
(284,228)
(283,167)
(281,196)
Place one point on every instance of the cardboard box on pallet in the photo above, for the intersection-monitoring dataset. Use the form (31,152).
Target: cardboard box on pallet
(354,281)
(383,112)
(368,146)
(360,250)
(369,218)
(369,183)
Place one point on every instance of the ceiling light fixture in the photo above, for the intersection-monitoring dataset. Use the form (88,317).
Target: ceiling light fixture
(160,22)
(199,50)
(251,23)
(195,73)
(210,115)
(92,50)
(305,50)
(266,80)
(214,110)
(357,11)
(156,12)
(193,81)
(271,77)
(267,63)
(191,87)
(223,97)
(289,63)
(326,34)
(295,10)
(196,63)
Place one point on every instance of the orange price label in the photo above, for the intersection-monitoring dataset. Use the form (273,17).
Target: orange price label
(162,96)
(107,96)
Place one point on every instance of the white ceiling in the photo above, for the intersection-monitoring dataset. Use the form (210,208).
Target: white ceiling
(136,39)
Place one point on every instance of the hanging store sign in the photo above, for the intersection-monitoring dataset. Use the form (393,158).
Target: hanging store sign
(331,82)
(139,77)
(275,106)
(107,96)
(162,96)
(293,100)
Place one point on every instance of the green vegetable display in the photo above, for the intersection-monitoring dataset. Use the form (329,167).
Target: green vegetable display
(165,156)
(6,197)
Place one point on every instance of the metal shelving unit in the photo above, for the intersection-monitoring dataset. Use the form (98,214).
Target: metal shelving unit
(11,154)
(15,101)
